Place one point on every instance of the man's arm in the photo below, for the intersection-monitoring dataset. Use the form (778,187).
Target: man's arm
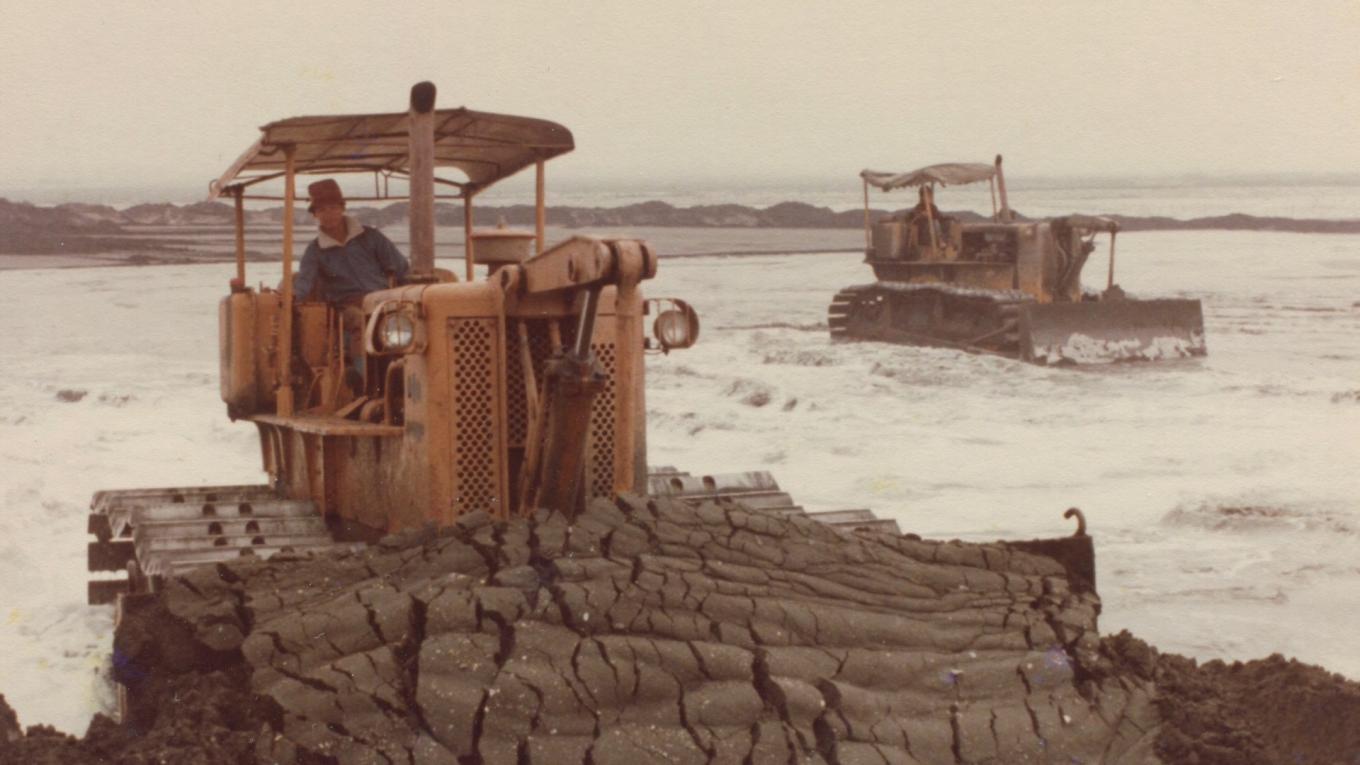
(393,262)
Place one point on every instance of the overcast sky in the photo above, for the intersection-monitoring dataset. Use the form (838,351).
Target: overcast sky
(166,95)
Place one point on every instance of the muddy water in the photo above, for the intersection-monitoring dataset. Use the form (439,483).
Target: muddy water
(1221,491)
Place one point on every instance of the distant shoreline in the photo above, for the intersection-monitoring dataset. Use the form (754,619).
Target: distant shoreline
(66,235)
(18,262)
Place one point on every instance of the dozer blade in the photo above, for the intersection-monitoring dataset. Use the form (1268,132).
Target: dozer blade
(1115,330)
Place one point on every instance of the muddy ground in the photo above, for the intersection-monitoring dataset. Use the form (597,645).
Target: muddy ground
(656,632)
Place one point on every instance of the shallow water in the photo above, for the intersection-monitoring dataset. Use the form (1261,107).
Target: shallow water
(1221,491)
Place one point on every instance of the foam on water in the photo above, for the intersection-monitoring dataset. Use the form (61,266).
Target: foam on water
(1083,349)
(1221,491)
(979,447)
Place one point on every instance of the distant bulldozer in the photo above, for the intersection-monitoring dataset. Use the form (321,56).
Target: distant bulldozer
(1002,286)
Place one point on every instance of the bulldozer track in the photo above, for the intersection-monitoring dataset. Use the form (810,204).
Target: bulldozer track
(757,490)
(154,533)
(150,534)
(841,309)
(865,312)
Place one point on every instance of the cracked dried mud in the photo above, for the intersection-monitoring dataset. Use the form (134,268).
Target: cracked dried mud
(652,631)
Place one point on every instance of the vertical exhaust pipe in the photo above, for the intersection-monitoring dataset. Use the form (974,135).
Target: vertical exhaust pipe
(421,167)
(1005,215)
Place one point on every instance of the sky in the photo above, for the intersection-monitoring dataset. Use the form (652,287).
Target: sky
(159,95)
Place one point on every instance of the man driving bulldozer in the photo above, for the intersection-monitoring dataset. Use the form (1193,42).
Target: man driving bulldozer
(346,261)
(928,223)
(925,206)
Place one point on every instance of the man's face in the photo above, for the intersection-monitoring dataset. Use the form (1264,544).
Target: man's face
(330,214)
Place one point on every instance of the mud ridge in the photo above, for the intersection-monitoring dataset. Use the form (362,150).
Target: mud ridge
(653,631)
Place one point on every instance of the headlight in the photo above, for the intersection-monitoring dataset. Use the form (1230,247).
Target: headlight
(675,327)
(397,331)
(672,329)
(393,327)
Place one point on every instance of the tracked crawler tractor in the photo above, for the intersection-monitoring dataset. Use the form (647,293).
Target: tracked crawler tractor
(518,387)
(1003,286)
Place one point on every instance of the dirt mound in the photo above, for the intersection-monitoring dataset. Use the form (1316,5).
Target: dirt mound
(1264,712)
(647,632)
(201,719)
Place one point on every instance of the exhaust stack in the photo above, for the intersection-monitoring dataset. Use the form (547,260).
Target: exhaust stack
(421,167)
(1005,215)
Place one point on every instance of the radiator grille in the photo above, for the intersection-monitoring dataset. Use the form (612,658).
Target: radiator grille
(474,432)
(600,460)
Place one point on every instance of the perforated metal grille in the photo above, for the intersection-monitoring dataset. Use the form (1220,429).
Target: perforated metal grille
(474,434)
(600,462)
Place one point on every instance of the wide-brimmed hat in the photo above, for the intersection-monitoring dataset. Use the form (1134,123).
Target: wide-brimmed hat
(323,192)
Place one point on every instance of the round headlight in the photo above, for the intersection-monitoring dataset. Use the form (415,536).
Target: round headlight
(397,331)
(674,329)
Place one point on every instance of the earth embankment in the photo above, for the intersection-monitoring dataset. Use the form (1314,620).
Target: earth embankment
(157,233)
(651,631)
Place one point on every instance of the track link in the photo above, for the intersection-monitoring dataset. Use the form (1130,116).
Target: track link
(154,533)
(912,314)
(842,310)
(757,490)
(150,534)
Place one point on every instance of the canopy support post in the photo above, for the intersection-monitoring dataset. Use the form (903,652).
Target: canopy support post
(1109,282)
(284,392)
(240,234)
(467,232)
(540,212)
(868,240)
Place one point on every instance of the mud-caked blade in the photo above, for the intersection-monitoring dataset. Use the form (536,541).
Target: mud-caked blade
(1115,330)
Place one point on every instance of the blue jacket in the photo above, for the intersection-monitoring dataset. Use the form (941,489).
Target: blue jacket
(344,271)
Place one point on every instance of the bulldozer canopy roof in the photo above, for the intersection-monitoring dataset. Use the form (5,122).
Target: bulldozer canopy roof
(947,174)
(485,147)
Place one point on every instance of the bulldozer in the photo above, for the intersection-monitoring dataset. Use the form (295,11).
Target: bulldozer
(1002,286)
(518,387)
(515,390)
